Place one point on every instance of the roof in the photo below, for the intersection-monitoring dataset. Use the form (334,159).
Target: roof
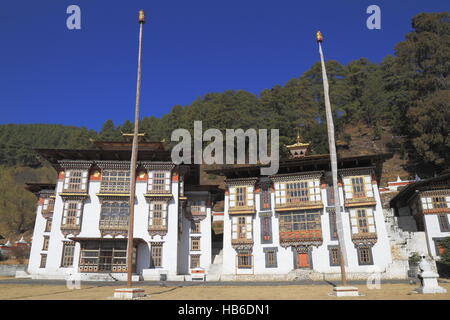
(38,187)
(305,164)
(435,183)
(126,145)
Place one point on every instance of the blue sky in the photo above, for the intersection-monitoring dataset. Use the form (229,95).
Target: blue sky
(49,74)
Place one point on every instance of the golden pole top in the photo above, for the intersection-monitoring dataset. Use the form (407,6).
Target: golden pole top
(319,36)
(141,16)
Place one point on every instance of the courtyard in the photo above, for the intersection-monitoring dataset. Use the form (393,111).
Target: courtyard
(26,289)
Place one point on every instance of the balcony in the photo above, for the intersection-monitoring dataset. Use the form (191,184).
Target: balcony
(301,237)
(114,226)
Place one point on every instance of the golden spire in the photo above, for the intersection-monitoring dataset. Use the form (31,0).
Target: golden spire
(319,36)
(141,16)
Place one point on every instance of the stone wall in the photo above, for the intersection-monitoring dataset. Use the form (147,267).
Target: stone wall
(9,270)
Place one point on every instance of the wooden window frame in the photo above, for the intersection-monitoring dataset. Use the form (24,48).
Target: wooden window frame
(195,244)
(297,191)
(159,181)
(244,260)
(265,198)
(333,225)
(271,257)
(242,228)
(334,255)
(48,206)
(266,229)
(361,262)
(117,181)
(196,227)
(358,186)
(67,259)
(75,182)
(444,224)
(156,254)
(48,225)
(43,262)
(362,220)
(45,243)
(241,197)
(301,224)
(194,258)
(71,213)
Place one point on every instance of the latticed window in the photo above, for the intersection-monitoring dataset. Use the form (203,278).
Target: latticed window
(73,180)
(195,261)
(195,244)
(72,213)
(115,210)
(159,181)
(158,214)
(242,228)
(265,198)
(48,225)
(43,261)
(156,255)
(271,258)
(299,221)
(45,244)
(241,197)
(195,227)
(443,222)
(67,254)
(358,187)
(297,192)
(439,202)
(362,221)
(365,255)
(334,256)
(115,181)
(244,260)
(266,230)
(49,205)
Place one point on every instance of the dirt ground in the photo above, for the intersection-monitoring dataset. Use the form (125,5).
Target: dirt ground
(279,292)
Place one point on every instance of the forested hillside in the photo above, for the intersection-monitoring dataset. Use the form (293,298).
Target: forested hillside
(401,105)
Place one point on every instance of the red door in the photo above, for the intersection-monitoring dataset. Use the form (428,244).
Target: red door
(302,260)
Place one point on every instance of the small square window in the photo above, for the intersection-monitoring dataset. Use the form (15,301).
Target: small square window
(365,256)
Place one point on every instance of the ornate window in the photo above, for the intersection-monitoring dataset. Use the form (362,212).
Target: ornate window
(365,255)
(265,198)
(72,214)
(67,254)
(241,197)
(49,206)
(195,227)
(117,181)
(43,261)
(362,220)
(159,181)
(270,257)
(335,255)
(48,225)
(358,187)
(104,256)
(75,180)
(297,192)
(244,260)
(156,255)
(266,229)
(195,261)
(299,221)
(241,228)
(443,222)
(195,244)
(439,202)
(158,214)
(333,225)
(115,210)
(45,244)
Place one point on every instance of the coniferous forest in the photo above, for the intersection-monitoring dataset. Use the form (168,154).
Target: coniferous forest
(404,102)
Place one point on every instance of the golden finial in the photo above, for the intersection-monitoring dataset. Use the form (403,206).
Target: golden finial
(319,36)
(141,16)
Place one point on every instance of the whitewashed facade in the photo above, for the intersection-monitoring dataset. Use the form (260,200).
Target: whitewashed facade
(281,227)
(82,222)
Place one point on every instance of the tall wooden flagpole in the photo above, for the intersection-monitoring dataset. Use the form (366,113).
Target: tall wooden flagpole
(333,159)
(134,153)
